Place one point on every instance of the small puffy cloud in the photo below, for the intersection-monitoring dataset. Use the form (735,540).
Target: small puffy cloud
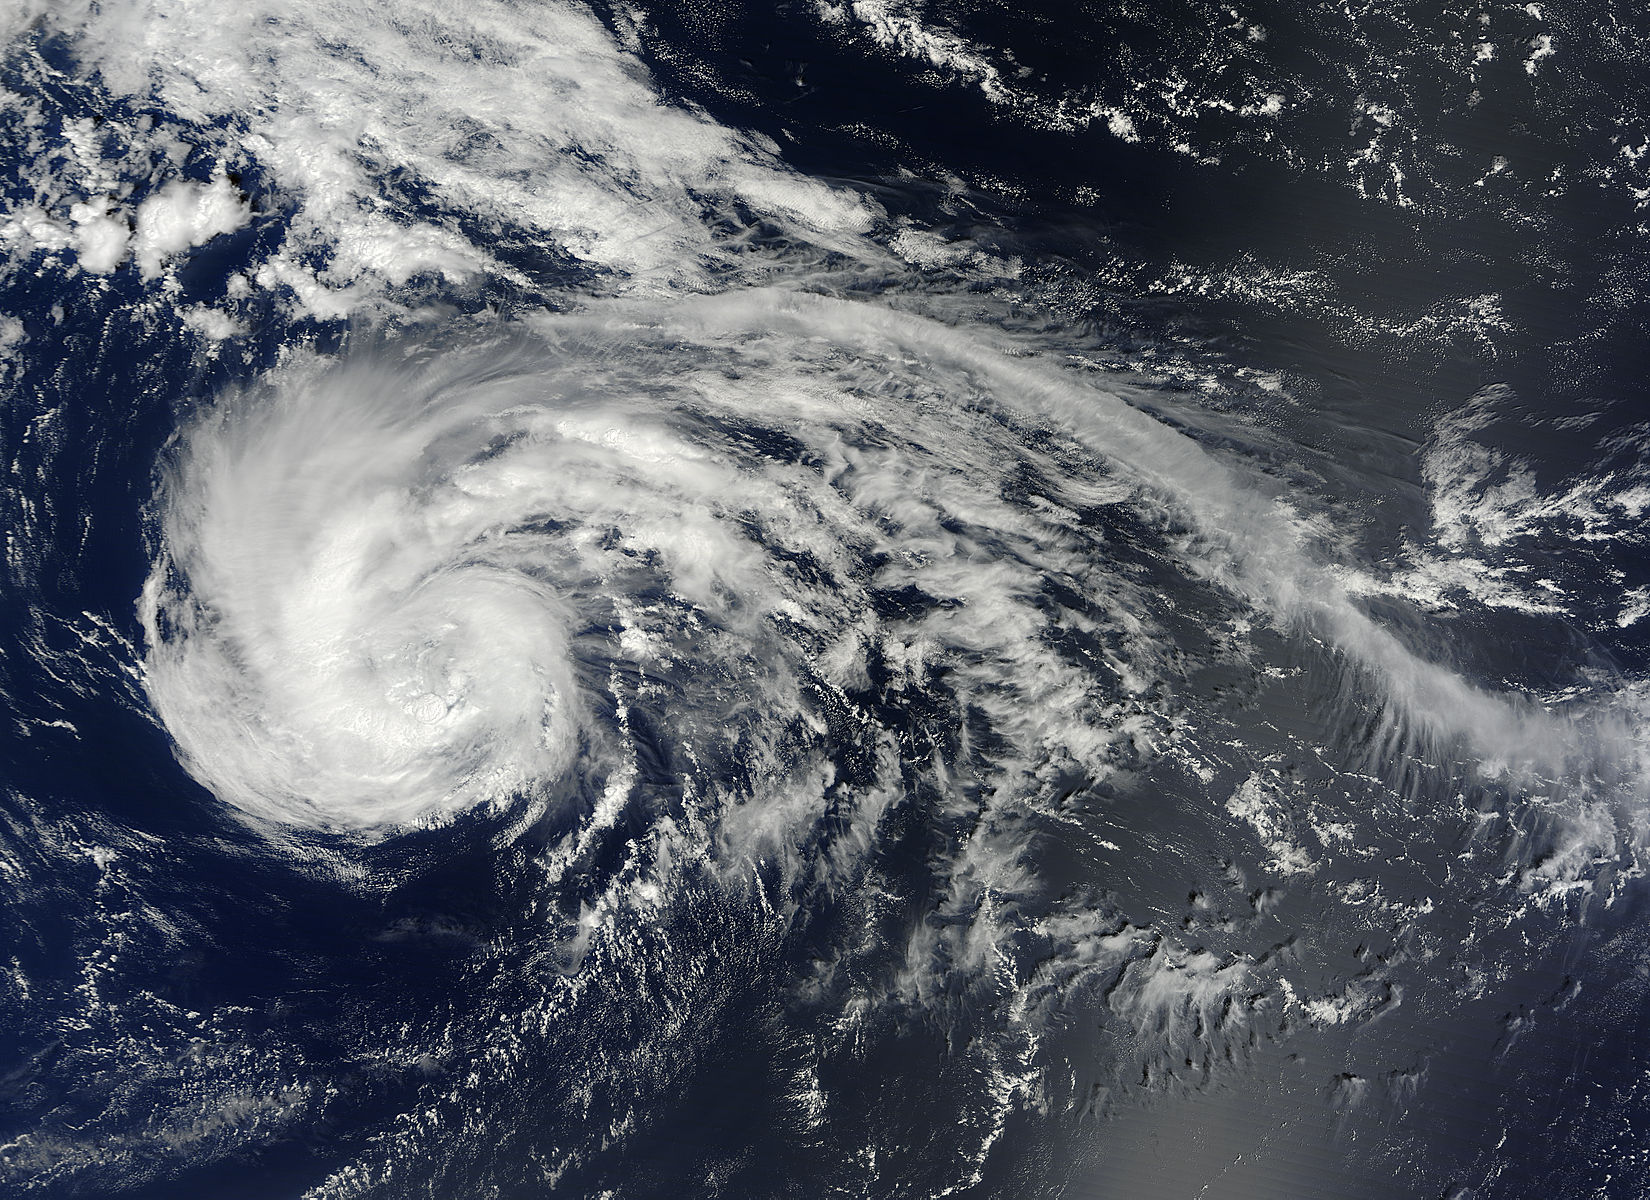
(100,235)
(182,215)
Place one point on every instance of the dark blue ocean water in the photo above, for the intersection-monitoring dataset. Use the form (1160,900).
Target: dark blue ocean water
(1037,815)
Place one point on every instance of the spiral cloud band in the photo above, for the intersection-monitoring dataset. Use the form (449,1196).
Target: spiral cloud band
(388,593)
(391,592)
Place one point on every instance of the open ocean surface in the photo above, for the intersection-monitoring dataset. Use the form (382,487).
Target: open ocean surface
(875,599)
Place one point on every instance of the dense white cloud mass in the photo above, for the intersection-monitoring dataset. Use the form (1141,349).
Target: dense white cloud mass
(509,129)
(384,586)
